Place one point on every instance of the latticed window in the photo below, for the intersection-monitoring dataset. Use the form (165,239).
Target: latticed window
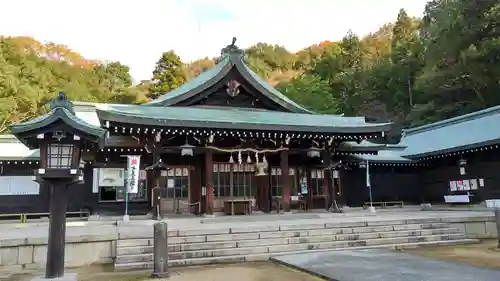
(276,189)
(59,156)
(239,177)
(317,181)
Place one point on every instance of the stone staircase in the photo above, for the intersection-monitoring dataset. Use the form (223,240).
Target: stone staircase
(208,246)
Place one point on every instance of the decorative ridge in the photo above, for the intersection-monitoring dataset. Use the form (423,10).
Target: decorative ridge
(232,49)
(451,121)
(61,101)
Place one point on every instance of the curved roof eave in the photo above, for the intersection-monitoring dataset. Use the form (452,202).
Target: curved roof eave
(52,117)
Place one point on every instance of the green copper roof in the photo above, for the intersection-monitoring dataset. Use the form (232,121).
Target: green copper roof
(362,146)
(194,86)
(232,118)
(391,154)
(384,156)
(62,110)
(12,149)
(232,57)
(464,132)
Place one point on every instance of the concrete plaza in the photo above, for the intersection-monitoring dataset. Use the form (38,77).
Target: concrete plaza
(378,265)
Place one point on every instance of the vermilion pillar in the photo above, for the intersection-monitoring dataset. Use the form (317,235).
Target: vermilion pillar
(285,180)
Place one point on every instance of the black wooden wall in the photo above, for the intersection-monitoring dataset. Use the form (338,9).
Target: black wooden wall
(482,164)
(398,183)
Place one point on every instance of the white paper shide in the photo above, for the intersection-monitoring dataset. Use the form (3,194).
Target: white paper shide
(133,170)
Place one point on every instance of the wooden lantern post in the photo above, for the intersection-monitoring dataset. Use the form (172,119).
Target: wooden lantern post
(60,136)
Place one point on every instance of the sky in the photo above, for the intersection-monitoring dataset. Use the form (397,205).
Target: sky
(136,32)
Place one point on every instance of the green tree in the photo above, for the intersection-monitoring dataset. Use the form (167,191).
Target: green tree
(312,92)
(462,55)
(169,74)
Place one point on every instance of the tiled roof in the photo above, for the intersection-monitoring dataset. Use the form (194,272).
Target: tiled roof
(213,75)
(12,149)
(464,132)
(385,156)
(362,146)
(231,118)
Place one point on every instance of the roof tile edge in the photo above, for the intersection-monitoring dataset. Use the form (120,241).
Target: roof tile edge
(455,120)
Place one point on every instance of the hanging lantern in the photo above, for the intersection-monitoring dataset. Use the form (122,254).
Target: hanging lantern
(187,150)
(249,159)
(231,160)
(314,152)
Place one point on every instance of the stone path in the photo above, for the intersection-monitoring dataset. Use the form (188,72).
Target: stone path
(379,265)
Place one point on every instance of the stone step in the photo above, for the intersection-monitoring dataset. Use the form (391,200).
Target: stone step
(260,233)
(266,256)
(210,229)
(288,248)
(134,250)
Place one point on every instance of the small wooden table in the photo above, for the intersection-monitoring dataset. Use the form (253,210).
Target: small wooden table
(238,206)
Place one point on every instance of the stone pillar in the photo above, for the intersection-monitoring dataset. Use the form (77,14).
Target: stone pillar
(57,229)
(160,250)
(285,180)
(209,169)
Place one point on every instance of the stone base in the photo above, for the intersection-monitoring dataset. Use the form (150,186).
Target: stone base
(371,209)
(66,277)
(426,206)
(160,275)
(126,218)
(94,217)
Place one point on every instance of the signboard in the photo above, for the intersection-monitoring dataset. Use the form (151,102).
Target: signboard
(133,170)
(18,185)
(111,177)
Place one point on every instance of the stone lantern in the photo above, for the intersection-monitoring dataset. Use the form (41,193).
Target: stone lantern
(60,136)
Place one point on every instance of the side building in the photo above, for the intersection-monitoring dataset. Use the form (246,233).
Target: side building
(450,161)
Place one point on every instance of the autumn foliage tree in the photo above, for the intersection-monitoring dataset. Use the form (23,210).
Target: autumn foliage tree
(410,72)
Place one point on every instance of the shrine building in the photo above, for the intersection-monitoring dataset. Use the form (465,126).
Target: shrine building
(227,141)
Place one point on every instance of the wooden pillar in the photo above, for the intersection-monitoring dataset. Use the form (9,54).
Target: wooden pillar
(195,183)
(310,196)
(57,229)
(156,194)
(285,180)
(327,180)
(209,169)
(263,194)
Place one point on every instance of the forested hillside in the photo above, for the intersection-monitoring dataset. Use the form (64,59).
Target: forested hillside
(411,71)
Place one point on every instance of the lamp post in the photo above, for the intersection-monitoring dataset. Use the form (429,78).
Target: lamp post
(60,136)
(366,165)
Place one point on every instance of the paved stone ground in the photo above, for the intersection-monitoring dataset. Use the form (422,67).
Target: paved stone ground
(110,228)
(381,265)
